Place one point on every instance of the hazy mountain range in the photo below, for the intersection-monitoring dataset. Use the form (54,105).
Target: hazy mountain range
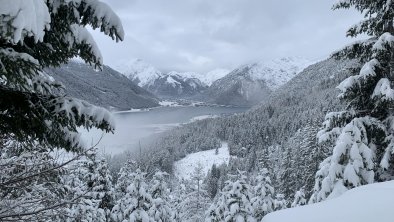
(247,85)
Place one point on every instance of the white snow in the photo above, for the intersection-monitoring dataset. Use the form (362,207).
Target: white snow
(383,90)
(277,72)
(205,78)
(145,74)
(385,39)
(363,204)
(105,16)
(140,71)
(367,71)
(80,35)
(184,168)
(172,81)
(214,75)
(24,18)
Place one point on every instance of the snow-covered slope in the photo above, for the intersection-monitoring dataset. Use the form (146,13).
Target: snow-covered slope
(106,88)
(277,72)
(173,86)
(368,203)
(139,72)
(252,83)
(184,168)
(206,78)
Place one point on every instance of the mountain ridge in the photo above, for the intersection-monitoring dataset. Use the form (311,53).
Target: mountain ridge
(107,88)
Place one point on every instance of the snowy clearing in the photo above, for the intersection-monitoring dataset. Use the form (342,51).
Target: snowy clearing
(363,204)
(184,168)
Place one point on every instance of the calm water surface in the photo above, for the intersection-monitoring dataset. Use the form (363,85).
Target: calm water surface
(132,127)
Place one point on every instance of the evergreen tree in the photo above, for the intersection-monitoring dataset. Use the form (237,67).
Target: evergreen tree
(234,203)
(288,176)
(35,113)
(196,199)
(363,132)
(216,211)
(135,204)
(90,187)
(263,202)
(160,210)
(178,193)
(299,198)
(212,181)
(99,183)
(125,177)
(32,108)
(280,202)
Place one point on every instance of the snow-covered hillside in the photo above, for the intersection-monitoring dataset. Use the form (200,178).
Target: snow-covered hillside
(251,84)
(206,78)
(184,168)
(139,72)
(276,72)
(363,204)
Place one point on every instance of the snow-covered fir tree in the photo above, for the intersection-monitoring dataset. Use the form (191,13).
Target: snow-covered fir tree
(234,202)
(263,202)
(216,211)
(213,181)
(280,202)
(34,110)
(299,198)
(135,204)
(160,209)
(32,106)
(287,177)
(91,188)
(125,177)
(363,133)
(179,189)
(196,199)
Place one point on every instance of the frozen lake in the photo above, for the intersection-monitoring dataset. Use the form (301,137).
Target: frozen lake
(132,127)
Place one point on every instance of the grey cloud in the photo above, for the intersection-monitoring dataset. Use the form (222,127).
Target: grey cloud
(200,35)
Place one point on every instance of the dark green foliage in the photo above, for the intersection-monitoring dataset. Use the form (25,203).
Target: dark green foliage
(33,107)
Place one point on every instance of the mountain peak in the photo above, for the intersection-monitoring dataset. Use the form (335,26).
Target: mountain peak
(275,72)
(139,71)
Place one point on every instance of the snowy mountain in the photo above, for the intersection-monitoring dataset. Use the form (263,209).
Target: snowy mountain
(207,78)
(140,72)
(362,204)
(252,83)
(172,84)
(106,88)
(175,85)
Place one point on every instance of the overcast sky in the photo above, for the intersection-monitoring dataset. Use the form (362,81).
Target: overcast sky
(201,35)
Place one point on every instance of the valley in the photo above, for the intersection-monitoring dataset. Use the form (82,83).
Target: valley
(252,111)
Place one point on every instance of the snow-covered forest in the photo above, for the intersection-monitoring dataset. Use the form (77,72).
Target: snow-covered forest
(317,146)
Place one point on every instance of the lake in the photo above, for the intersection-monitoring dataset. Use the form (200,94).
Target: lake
(132,127)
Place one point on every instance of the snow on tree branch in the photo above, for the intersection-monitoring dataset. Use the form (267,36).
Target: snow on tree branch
(21,18)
